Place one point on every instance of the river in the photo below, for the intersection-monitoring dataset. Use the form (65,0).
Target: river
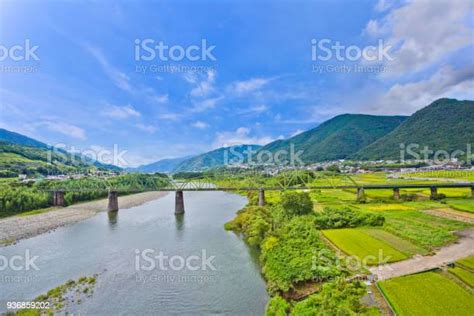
(121,250)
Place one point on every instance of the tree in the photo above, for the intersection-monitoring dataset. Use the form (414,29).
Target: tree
(296,203)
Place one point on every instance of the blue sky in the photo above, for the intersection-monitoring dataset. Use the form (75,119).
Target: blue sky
(86,91)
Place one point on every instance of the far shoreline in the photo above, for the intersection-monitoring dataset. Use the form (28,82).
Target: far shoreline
(17,227)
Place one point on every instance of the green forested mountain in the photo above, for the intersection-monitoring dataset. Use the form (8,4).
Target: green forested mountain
(446,124)
(216,158)
(163,165)
(23,155)
(339,137)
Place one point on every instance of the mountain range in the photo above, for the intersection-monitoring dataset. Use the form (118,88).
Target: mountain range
(445,124)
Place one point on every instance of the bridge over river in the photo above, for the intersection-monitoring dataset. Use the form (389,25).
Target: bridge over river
(205,185)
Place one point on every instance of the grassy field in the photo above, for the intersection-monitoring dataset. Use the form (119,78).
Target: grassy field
(466,205)
(396,242)
(427,294)
(467,262)
(464,275)
(422,229)
(356,242)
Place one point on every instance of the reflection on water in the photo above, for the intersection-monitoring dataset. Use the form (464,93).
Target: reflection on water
(107,245)
(113,217)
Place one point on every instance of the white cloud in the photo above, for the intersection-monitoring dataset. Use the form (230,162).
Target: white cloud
(247,86)
(204,105)
(384,5)
(63,128)
(256,109)
(170,116)
(409,97)
(203,87)
(423,32)
(240,136)
(120,79)
(160,99)
(297,132)
(200,125)
(147,128)
(120,112)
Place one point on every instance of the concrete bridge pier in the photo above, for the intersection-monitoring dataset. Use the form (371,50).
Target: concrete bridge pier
(360,193)
(396,193)
(113,201)
(261,197)
(179,203)
(58,198)
(472,192)
(434,192)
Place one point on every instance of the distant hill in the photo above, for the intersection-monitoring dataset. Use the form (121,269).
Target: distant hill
(163,165)
(445,124)
(18,139)
(20,154)
(216,158)
(339,137)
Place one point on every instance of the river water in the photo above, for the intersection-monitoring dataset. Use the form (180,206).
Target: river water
(229,282)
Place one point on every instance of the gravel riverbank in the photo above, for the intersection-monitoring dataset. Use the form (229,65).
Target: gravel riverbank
(19,227)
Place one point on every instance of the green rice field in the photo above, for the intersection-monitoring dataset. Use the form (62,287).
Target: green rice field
(427,294)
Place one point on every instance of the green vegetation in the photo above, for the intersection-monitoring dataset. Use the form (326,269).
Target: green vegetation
(335,298)
(339,137)
(16,197)
(464,275)
(277,306)
(59,297)
(356,242)
(396,242)
(466,205)
(296,203)
(467,262)
(345,218)
(427,294)
(454,130)
(288,255)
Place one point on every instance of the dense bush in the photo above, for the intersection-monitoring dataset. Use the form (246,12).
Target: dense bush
(277,306)
(335,298)
(253,222)
(288,255)
(296,203)
(346,218)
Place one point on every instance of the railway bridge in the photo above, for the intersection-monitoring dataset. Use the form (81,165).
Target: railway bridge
(196,186)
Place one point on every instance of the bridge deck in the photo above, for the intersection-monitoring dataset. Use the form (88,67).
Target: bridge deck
(327,187)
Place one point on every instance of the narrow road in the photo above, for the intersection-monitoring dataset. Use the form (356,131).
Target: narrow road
(464,247)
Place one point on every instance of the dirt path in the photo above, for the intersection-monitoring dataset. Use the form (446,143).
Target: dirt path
(464,247)
(20,227)
(452,214)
